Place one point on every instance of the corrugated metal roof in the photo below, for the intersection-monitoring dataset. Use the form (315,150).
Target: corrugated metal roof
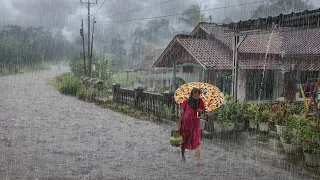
(306,19)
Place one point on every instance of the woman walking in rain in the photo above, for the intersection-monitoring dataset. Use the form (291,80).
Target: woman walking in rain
(189,123)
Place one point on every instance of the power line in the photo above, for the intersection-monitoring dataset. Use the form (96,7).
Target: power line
(141,8)
(99,7)
(113,5)
(179,14)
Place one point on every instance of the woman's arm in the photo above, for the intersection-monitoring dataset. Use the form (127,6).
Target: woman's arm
(180,118)
(182,109)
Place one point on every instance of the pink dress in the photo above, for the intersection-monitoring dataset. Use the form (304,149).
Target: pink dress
(190,128)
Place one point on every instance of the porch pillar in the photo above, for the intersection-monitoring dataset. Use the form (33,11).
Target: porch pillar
(241,89)
(204,75)
(236,45)
(174,105)
(174,76)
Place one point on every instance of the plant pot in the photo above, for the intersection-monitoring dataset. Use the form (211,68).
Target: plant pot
(280,129)
(239,126)
(202,124)
(264,126)
(253,124)
(290,148)
(312,159)
(223,127)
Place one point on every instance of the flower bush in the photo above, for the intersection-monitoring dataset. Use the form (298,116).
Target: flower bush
(309,137)
(257,112)
(230,112)
(280,113)
(250,111)
(263,115)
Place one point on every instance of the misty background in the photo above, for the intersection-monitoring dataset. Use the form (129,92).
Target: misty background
(125,30)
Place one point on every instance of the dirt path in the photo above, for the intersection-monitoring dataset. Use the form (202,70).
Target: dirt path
(46,135)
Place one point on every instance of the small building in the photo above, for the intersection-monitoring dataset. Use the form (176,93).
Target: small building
(153,77)
(159,77)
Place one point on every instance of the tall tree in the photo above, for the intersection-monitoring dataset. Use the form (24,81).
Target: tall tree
(227,20)
(118,51)
(192,15)
(31,46)
(276,7)
(155,33)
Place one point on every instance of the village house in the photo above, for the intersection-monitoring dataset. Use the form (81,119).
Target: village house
(272,54)
(159,77)
(153,77)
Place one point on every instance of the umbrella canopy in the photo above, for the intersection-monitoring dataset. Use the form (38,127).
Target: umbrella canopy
(212,97)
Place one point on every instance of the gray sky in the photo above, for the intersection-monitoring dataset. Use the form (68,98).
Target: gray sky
(66,15)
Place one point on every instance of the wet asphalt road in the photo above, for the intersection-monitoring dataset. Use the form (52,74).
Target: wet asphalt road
(46,135)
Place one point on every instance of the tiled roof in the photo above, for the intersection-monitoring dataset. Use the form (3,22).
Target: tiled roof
(259,43)
(147,62)
(288,41)
(218,33)
(306,42)
(205,51)
(259,64)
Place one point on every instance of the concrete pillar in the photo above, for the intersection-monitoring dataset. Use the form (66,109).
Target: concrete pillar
(241,90)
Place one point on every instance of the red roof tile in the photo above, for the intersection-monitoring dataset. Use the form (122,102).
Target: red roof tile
(289,41)
(305,42)
(205,51)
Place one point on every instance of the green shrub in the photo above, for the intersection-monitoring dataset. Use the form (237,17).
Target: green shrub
(81,94)
(92,94)
(70,85)
(124,108)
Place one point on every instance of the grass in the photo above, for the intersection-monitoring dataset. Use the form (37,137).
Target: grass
(124,80)
(24,69)
(66,84)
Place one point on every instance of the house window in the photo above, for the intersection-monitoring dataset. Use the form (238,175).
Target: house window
(164,82)
(187,69)
(308,75)
(224,81)
(254,84)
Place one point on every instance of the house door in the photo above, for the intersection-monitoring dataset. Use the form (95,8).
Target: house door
(253,85)
(224,81)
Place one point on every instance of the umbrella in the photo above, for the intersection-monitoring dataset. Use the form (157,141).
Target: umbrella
(212,97)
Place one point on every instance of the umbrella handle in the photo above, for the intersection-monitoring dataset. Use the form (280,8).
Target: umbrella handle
(198,115)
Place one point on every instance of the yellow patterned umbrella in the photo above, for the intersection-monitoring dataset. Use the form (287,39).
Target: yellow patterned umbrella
(212,97)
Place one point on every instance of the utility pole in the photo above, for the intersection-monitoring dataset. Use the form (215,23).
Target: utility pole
(94,21)
(90,61)
(84,51)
